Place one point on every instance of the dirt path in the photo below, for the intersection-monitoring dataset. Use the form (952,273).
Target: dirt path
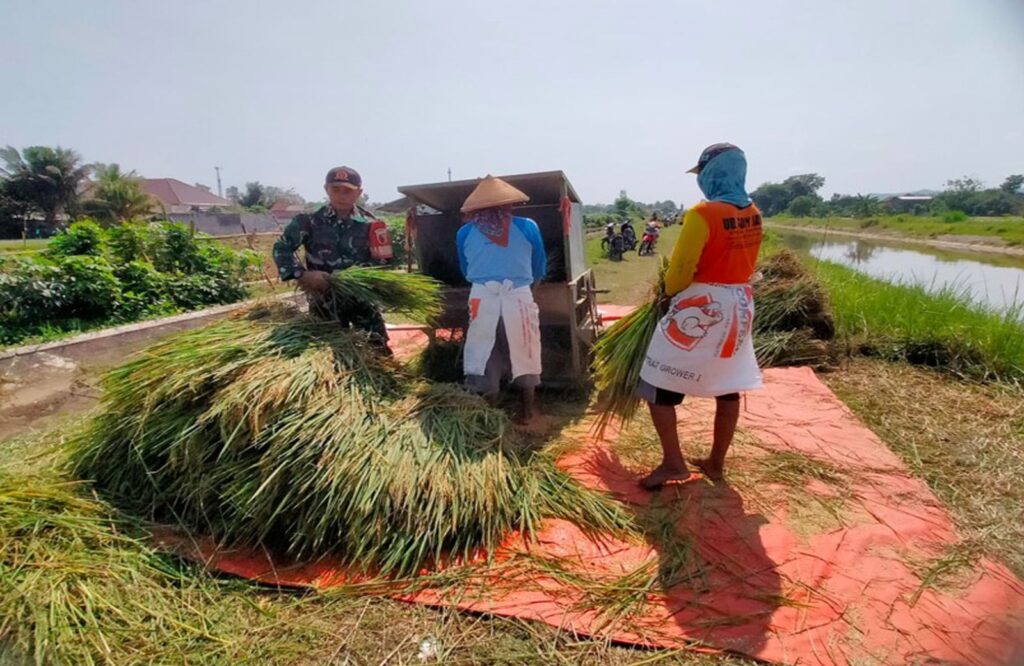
(974,244)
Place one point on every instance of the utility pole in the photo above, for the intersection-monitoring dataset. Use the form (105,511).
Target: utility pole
(219,192)
(449,174)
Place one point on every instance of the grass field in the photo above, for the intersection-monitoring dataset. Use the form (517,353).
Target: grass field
(22,247)
(628,281)
(1008,230)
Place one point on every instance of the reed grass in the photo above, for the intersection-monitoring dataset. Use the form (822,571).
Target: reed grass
(943,328)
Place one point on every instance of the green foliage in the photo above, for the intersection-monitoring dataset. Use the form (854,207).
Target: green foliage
(89,276)
(954,216)
(1013,184)
(775,198)
(117,197)
(130,241)
(42,179)
(969,196)
(803,205)
(81,238)
(90,289)
(946,329)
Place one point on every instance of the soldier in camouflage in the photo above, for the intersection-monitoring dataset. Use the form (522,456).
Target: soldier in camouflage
(334,237)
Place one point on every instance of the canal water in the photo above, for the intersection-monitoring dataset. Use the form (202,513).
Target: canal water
(992,279)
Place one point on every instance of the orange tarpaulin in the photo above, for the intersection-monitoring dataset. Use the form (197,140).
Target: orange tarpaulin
(830,567)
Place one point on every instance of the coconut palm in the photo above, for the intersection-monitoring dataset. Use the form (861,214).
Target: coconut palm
(45,179)
(118,196)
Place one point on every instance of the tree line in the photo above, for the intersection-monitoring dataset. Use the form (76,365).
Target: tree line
(42,188)
(798,196)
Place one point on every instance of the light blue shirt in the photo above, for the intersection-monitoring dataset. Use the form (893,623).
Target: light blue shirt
(523,261)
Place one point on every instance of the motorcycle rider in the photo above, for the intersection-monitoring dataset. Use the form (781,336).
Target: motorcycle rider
(628,234)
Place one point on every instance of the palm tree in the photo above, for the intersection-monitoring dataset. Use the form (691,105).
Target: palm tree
(45,179)
(117,196)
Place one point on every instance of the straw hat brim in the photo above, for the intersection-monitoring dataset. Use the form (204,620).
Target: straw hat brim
(492,192)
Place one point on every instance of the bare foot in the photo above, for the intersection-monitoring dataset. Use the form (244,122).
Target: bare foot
(715,473)
(664,474)
(534,423)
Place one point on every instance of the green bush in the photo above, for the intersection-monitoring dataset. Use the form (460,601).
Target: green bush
(90,289)
(131,241)
(954,216)
(81,238)
(90,277)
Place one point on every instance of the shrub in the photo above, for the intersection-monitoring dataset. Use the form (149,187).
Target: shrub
(143,291)
(81,238)
(131,241)
(90,290)
(954,216)
(177,250)
(90,276)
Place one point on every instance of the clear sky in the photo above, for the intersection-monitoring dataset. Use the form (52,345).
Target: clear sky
(876,95)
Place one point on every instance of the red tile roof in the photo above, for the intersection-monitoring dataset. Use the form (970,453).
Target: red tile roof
(173,192)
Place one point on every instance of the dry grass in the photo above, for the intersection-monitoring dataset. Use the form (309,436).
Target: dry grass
(966,440)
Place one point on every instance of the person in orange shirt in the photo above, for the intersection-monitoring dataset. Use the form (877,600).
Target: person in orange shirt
(703,345)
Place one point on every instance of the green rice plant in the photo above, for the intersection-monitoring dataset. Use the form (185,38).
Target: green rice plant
(277,430)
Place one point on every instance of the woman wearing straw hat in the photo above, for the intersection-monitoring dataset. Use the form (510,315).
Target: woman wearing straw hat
(502,256)
(703,346)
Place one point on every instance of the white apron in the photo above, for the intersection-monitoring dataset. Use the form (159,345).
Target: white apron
(704,346)
(515,307)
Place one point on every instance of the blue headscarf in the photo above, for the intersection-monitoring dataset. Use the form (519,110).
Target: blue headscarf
(724,178)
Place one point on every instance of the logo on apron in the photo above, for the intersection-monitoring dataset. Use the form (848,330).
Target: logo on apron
(689,320)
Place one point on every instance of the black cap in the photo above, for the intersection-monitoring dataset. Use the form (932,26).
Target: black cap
(344,176)
(711,152)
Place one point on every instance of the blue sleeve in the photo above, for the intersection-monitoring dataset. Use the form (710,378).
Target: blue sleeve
(539,259)
(460,246)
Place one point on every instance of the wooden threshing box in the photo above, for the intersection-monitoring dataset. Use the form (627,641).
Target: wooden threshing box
(568,313)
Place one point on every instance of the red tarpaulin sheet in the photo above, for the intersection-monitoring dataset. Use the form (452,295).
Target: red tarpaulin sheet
(774,584)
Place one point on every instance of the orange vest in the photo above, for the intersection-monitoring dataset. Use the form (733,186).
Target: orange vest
(734,238)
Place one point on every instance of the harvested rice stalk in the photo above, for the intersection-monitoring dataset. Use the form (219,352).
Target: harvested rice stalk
(279,431)
(415,295)
(619,355)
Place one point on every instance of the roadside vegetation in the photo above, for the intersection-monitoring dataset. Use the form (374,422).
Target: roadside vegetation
(997,230)
(89,277)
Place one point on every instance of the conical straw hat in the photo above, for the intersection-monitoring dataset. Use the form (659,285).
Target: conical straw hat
(493,192)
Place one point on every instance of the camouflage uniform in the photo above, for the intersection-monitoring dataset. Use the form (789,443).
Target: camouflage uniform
(332,243)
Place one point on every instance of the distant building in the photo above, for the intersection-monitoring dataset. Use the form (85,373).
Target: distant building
(284,211)
(173,196)
(907,203)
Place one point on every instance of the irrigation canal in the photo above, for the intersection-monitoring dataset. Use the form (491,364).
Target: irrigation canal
(992,279)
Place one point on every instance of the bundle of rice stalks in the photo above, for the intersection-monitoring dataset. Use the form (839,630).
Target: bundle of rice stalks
(273,429)
(619,355)
(415,295)
(789,297)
